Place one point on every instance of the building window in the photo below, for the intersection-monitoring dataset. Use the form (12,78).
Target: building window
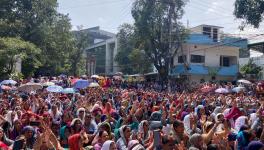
(215,35)
(207,31)
(224,61)
(181,59)
(197,59)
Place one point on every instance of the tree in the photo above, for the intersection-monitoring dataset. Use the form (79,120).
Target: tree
(141,63)
(251,11)
(126,44)
(159,32)
(39,23)
(82,41)
(12,49)
(251,68)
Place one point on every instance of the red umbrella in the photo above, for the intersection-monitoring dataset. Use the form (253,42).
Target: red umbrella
(74,80)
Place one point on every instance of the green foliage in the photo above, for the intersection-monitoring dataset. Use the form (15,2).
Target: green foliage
(132,60)
(39,23)
(251,68)
(158,30)
(143,64)
(12,49)
(251,11)
(77,55)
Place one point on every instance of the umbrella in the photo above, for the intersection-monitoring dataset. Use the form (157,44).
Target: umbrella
(239,89)
(244,81)
(48,83)
(73,81)
(95,76)
(221,91)
(119,73)
(29,87)
(68,91)
(6,88)
(94,84)
(81,84)
(12,82)
(54,88)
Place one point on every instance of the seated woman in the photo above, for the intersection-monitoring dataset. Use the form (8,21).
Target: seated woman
(122,142)
(102,137)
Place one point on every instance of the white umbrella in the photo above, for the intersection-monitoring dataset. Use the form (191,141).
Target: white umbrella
(95,76)
(54,88)
(48,83)
(119,73)
(93,84)
(221,91)
(244,81)
(29,87)
(68,91)
(239,89)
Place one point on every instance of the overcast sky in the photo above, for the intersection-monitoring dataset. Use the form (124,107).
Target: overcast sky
(109,14)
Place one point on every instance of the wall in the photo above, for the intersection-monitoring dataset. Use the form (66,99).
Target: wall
(212,55)
(197,78)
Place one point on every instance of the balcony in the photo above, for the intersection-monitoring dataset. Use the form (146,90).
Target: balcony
(204,70)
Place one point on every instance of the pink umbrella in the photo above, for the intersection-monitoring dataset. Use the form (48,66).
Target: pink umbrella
(6,88)
(74,80)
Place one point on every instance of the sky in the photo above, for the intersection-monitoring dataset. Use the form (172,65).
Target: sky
(110,14)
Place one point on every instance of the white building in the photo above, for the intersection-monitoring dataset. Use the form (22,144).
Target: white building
(206,55)
(101,52)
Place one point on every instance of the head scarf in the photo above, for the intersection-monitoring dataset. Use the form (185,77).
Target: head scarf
(108,109)
(8,117)
(217,115)
(74,120)
(107,144)
(78,112)
(198,109)
(239,122)
(141,126)
(122,135)
(28,128)
(216,111)
(135,145)
(253,117)
(186,122)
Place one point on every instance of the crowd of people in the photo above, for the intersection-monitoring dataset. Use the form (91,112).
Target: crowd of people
(119,117)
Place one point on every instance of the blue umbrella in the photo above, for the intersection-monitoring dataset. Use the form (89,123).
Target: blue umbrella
(54,88)
(68,91)
(239,89)
(81,84)
(12,82)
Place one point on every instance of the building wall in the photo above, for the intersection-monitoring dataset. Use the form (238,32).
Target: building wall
(212,54)
(199,29)
(197,78)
